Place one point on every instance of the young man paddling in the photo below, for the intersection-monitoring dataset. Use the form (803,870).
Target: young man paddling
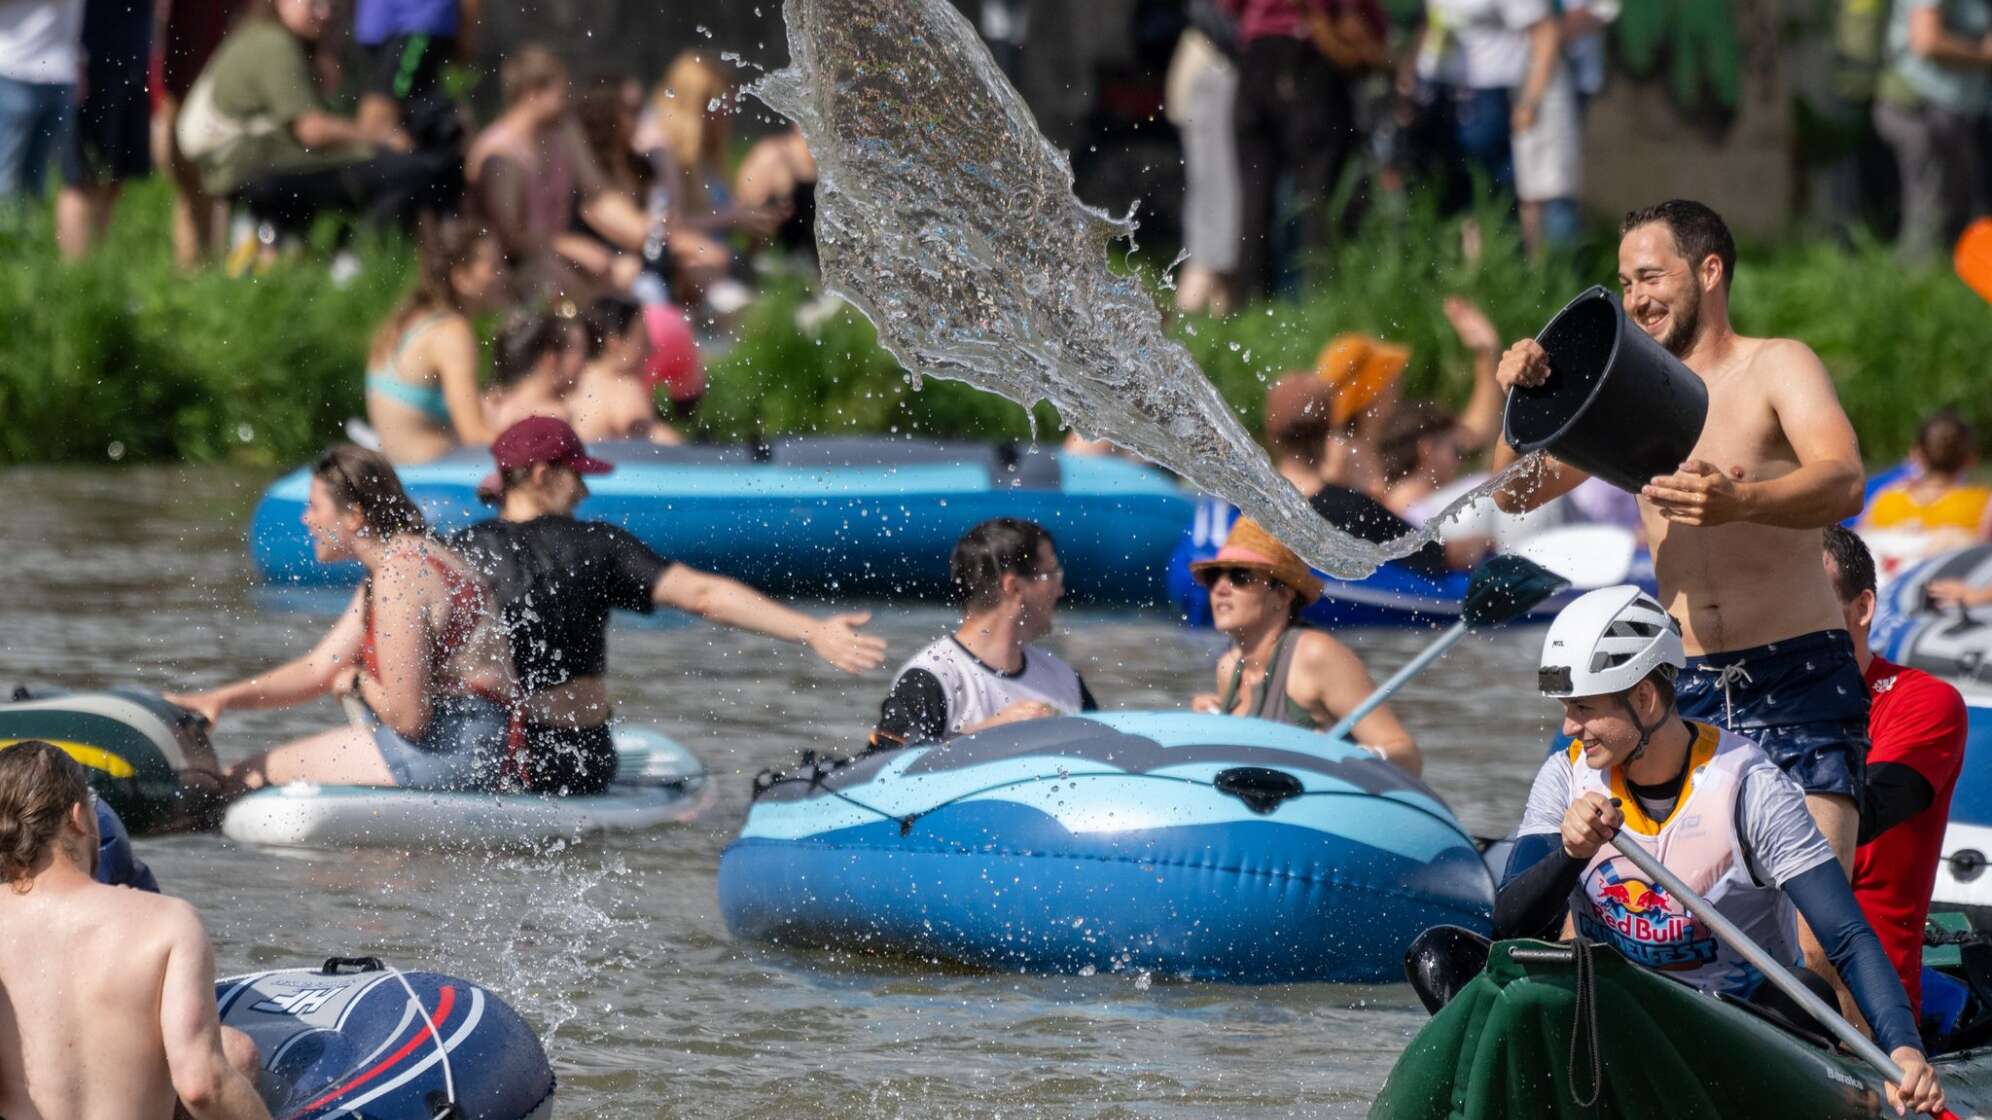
(106,994)
(1709,805)
(1918,724)
(556,579)
(1735,530)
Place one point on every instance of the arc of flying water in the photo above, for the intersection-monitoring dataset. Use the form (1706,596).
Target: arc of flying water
(947,219)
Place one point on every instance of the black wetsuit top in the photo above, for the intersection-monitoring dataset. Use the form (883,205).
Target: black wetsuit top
(1367,519)
(556,580)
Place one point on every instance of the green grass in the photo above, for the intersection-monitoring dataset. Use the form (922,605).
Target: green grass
(125,352)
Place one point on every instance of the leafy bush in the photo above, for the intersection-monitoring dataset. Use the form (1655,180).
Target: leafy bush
(125,351)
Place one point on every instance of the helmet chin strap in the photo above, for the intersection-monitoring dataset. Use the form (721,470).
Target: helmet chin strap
(1646,730)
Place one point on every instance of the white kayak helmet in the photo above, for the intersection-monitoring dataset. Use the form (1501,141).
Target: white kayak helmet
(1606,641)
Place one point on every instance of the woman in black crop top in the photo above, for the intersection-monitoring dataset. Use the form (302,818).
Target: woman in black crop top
(556,580)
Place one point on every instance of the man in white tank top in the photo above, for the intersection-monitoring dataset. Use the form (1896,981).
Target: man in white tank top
(1710,805)
(987,673)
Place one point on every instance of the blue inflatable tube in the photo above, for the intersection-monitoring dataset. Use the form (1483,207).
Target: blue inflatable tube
(357,1038)
(1394,595)
(1190,846)
(837,515)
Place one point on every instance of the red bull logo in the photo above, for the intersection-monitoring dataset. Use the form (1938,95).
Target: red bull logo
(1630,896)
(1645,924)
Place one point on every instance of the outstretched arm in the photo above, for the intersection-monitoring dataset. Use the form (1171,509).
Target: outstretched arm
(836,639)
(207,1085)
(293,682)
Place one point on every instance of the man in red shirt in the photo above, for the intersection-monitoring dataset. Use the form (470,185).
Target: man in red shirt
(1917,725)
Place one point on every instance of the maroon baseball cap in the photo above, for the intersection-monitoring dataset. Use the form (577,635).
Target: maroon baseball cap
(539,439)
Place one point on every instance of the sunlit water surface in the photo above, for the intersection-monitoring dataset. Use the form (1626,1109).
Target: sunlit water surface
(616,951)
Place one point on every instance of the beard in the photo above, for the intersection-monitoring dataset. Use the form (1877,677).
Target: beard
(1680,338)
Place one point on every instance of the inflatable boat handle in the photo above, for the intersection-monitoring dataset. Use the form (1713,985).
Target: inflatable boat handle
(357,964)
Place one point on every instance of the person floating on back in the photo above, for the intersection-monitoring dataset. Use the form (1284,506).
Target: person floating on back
(1277,668)
(108,1008)
(1708,804)
(1918,725)
(986,673)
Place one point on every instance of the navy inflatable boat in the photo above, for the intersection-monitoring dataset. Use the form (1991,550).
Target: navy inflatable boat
(357,1038)
(844,515)
(1189,846)
(1397,594)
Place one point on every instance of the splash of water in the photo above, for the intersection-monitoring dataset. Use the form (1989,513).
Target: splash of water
(949,221)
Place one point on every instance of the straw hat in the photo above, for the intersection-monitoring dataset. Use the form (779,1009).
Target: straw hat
(1249,546)
(1359,368)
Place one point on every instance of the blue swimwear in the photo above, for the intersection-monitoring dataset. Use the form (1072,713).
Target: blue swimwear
(1802,700)
(463,748)
(387,381)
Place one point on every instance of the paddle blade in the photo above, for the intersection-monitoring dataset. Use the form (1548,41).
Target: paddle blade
(1974,258)
(1504,588)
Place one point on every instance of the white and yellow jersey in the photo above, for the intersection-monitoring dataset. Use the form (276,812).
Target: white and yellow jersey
(1738,832)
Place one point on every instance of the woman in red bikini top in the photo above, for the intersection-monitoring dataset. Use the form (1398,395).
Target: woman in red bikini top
(419,647)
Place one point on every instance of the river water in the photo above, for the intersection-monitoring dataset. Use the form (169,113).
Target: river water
(616,952)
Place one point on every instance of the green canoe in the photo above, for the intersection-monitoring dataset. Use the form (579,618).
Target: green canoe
(1659,1051)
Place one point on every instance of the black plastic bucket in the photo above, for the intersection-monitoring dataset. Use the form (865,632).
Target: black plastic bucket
(1616,404)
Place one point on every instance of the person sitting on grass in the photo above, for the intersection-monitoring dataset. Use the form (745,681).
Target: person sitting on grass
(258,128)
(1277,668)
(109,1005)
(419,647)
(422,392)
(612,398)
(1707,803)
(987,673)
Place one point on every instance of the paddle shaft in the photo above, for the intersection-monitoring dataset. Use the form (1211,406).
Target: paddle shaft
(1773,970)
(1383,691)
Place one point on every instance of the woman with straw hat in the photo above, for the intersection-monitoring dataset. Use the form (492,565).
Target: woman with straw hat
(1278,669)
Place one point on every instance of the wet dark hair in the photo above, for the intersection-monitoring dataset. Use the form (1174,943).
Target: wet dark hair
(1699,232)
(606,318)
(1946,442)
(364,480)
(985,554)
(1853,564)
(1404,430)
(523,343)
(38,784)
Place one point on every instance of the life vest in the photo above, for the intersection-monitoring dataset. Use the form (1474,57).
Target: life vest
(1614,903)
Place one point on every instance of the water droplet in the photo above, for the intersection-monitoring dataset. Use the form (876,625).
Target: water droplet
(116,450)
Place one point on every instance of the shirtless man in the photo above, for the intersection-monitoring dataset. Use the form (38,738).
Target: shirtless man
(107,1007)
(1735,531)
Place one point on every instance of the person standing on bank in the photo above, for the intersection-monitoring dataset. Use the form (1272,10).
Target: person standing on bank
(1277,668)
(1735,531)
(556,579)
(987,673)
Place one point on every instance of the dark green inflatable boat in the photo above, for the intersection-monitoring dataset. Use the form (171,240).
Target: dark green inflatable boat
(1653,1050)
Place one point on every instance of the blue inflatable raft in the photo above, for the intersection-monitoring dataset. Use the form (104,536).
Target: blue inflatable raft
(843,515)
(1188,846)
(357,1038)
(1396,594)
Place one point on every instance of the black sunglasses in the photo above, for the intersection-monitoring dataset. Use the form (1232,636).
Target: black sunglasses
(1239,577)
